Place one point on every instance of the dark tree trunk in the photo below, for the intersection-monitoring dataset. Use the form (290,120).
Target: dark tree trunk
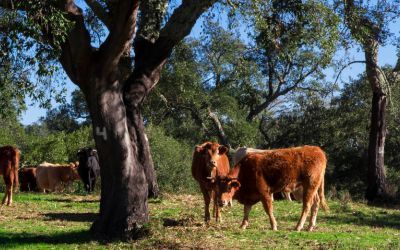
(124,189)
(376,149)
(376,169)
(133,98)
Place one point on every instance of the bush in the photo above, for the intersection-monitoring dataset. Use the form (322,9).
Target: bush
(172,161)
(80,138)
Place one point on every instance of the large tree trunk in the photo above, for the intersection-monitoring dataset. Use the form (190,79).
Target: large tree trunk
(133,98)
(124,189)
(376,150)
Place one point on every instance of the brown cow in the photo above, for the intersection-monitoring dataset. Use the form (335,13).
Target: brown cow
(27,179)
(258,175)
(241,152)
(210,160)
(50,177)
(9,162)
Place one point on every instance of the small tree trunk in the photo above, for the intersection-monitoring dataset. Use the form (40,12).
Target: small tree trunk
(376,169)
(376,149)
(124,189)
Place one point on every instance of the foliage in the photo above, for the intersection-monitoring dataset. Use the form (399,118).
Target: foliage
(30,63)
(172,161)
(204,76)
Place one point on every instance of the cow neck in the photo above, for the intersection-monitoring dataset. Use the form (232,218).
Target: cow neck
(234,173)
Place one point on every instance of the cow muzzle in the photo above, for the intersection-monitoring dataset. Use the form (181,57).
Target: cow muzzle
(224,203)
(213,173)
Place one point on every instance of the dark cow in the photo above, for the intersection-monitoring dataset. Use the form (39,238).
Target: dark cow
(27,179)
(258,175)
(88,169)
(9,162)
(210,160)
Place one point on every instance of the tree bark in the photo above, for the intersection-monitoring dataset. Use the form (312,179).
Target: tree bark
(377,188)
(124,189)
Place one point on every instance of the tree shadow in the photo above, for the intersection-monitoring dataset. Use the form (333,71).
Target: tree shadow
(12,240)
(187,221)
(72,200)
(77,217)
(381,219)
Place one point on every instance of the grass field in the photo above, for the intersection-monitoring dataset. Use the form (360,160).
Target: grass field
(61,221)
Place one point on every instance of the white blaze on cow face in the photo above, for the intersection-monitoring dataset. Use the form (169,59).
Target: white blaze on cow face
(226,190)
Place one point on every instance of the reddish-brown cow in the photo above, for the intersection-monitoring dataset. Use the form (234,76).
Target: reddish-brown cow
(210,161)
(258,175)
(9,162)
(27,179)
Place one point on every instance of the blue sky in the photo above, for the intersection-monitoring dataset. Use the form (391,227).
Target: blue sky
(387,55)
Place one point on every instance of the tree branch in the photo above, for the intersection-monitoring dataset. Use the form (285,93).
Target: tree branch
(76,50)
(344,67)
(150,57)
(100,12)
(121,34)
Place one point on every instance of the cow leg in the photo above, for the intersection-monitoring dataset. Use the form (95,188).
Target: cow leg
(93,185)
(8,193)
(207,199)
(307,201)
(216,208)
(246,212)
(266,200)
(287,195)
(314,212)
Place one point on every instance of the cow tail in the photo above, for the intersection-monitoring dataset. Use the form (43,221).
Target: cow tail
(15,166)
(321,194)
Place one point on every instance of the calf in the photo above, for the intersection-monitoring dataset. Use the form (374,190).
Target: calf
(9,162)
(210,161)
(258,175)
(50,177)
(89,169)
(27,178)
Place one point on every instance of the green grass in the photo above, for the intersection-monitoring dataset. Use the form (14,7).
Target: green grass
(62,221)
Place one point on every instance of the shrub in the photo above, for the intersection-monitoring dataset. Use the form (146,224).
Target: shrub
(172,161)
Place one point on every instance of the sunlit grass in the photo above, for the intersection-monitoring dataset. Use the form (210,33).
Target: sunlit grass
(61,221)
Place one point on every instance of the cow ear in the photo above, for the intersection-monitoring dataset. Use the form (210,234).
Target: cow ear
(223,149)
(234,184)
(198,149)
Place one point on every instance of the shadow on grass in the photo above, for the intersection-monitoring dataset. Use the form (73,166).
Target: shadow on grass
(11,240)
(71,200)
(78,217)
(380,219)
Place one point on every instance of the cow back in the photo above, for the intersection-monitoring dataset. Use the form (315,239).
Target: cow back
(280,169)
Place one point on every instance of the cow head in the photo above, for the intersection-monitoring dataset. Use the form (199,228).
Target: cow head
(226,189)
(211,153)
(86,152)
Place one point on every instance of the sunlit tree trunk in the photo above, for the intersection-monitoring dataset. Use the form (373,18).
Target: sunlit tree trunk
(376,149)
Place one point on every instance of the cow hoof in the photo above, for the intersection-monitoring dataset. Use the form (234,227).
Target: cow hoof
(297,229)
(274,229)
(244,226)
(310,229)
